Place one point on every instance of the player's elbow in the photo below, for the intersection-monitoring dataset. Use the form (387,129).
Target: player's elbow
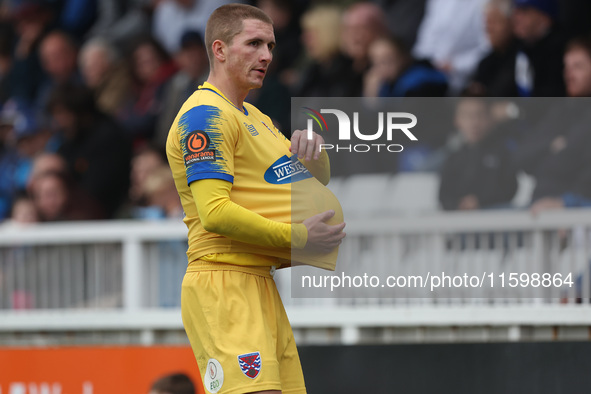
(217,220)
(211,224)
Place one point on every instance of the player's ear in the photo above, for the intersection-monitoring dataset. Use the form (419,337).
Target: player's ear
(219,50)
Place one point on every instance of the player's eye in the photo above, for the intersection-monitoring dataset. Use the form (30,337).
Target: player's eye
(254,43)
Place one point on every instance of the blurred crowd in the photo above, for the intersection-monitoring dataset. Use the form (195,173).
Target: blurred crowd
(89,89)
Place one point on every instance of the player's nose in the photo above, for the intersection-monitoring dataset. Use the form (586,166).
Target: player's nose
(266,55)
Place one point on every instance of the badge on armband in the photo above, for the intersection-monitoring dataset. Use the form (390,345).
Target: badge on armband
(197,144)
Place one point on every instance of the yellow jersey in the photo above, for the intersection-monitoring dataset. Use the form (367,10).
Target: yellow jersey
(211,138)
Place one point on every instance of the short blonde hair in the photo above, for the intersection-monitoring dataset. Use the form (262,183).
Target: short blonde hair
(325,20)
(226,22)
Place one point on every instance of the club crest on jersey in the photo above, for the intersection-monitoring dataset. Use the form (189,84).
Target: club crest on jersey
(250,364)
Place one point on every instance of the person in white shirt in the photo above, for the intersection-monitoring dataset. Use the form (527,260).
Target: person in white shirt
(174,17)
(453,38)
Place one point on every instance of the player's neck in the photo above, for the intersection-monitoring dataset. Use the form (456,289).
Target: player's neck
(228,89)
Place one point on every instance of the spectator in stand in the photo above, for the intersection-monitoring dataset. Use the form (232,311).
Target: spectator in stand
(274,97)
(57,199)
(24,210)
(152,69)
(556,152)
(59,57)
(403,18)
(161,194)
(174,17)
(481,173)
(23,139)
(7,38)
(363,23)
(330,73)
(143,164)
(43,164)
(286,16)
(452,37)
(394,73)
(105,75)
(51,197)
(538,67)
(7,159)
(118,20)
(30,140)
(575,17)
(495,74)
(177,383)
(76,16)
(26,75)
(94,146)
(193,63)
(577,68)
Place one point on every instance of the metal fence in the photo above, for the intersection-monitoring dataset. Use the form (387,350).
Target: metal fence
(100,278)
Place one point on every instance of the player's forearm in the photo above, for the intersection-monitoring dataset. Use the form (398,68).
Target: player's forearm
(222,216)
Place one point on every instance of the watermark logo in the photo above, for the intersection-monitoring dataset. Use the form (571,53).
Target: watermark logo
(318,118)
(389,123)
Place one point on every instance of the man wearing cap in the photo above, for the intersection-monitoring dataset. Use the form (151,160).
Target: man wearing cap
(538,65)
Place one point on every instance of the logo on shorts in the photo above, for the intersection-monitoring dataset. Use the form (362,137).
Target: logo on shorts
(250,364)
(197,143)
(212,370)
(214,376)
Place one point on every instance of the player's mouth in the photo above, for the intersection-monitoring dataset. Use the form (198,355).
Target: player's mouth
(260,71)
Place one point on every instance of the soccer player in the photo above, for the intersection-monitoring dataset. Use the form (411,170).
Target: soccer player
(254,201)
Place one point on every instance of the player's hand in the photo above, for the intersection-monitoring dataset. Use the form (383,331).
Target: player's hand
(304,147)
(323,237)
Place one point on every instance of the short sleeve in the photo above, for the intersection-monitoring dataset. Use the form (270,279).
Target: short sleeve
(207,143)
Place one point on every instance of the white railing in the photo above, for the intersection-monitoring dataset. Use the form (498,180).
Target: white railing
(124,276)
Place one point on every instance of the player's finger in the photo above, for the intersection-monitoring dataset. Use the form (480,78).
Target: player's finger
(310,146)
(302,142)
(335,228)
(336,237)
(324,216)
(295,142)
(299,139)
(318,143)
(330,246)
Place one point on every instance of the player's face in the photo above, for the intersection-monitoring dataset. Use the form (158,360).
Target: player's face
(250,54)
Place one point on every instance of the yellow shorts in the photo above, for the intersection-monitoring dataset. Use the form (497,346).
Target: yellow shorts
(239,330)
